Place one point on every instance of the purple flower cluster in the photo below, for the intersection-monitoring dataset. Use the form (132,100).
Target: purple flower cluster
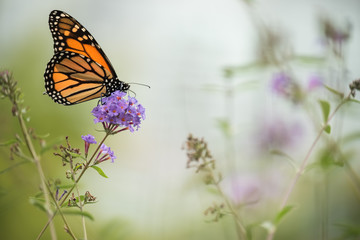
(118,110)
(285,85)
(242,189)
(279,134)
(105,153)
(314,82)
(88,139)
(281,84)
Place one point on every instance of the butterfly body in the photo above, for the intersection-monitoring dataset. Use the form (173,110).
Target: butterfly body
(79,70)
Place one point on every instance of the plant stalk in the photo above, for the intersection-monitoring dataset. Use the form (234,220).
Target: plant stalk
(36,160)
(72,188)
(305,161)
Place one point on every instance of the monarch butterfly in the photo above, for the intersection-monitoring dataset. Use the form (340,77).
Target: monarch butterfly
(79,70)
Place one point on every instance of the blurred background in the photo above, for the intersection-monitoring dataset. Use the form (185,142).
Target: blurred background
(245,75)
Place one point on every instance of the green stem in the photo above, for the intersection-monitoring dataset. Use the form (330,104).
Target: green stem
(36,160)
(72,188)
(305,161)
(80,202)
(241,231)
(82,216)
(68,229)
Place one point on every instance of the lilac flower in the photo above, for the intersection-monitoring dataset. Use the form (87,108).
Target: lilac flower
(117,111)
(57,194)
(88,139)
(242,189)
(256,190)
(105,153)
(314,82)
(278,134)
(284,85)
(281,83)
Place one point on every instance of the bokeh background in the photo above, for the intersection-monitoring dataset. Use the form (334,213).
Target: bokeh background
(200,59)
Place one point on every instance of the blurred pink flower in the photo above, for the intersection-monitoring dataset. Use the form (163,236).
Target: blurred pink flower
(242,189)
(314,82)
(278,134)
(281,84)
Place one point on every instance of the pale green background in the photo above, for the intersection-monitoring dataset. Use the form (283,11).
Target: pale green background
(176,47)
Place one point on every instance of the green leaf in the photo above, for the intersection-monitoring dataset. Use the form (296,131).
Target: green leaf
(13,166)
(224,126)
(38,202)
(269,226)
(286,156)
(250,229)
(282,214)
(232,70)
(331,156)
(91,202)
(100,171)
(354,100)
(336,92)
(65,186)
(7,143)
(77,167)
(78,213)
(306,59)
(82,197)
(75,155)
(325,107)
(327,129)
(39,195)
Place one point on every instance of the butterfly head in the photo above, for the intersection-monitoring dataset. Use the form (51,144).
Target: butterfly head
(125,87)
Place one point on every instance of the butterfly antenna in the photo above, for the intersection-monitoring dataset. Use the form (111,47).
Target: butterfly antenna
(141,84)
(133,92)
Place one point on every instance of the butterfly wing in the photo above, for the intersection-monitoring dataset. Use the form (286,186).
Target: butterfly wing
(72,78)
(79,70)
(70,35)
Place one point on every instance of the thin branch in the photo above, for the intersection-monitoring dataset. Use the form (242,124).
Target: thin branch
(36,160)
(72,188)
(305,161)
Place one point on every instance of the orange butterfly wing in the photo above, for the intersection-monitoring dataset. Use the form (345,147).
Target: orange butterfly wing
(70,35)
(79,70)
(72,78)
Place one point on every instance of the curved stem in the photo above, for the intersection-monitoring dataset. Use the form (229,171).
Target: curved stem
(36,160)
(72,188)
(305,161)
(239,223)
(82,216)
(68,229)
(241,231)
(80,202)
